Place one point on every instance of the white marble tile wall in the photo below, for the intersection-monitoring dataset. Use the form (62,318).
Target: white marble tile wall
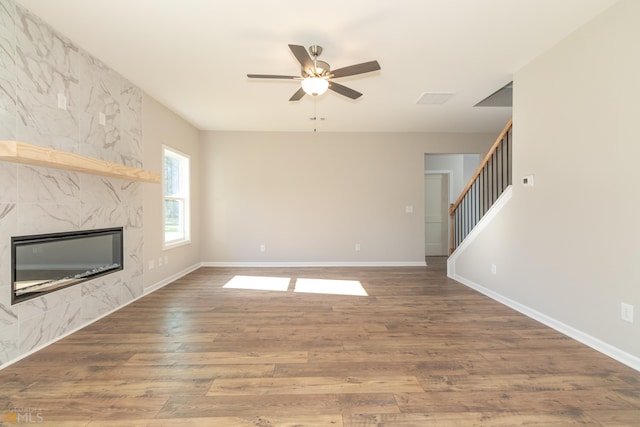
(7,70)
(120,138)
(47,66)
(36,66)
(8,225)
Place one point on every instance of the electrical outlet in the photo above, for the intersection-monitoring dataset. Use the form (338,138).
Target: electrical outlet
(263,248)
(357,247)
(152,265)
(102,119)
(160,262)
(626,312)
(166,259)
(494,269)
(408,209)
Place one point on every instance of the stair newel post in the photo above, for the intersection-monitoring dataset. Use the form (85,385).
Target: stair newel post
(451,229)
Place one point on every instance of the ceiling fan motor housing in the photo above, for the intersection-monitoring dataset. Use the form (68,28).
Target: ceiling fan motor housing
(321,69)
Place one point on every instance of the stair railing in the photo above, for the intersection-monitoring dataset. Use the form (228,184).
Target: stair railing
(488,182)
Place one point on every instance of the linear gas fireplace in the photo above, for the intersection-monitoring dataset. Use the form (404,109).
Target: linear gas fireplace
(48,262)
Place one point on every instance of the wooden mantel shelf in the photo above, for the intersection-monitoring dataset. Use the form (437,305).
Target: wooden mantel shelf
(20,152)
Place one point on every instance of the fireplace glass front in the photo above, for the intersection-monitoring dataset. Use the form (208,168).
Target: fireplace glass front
(48,262)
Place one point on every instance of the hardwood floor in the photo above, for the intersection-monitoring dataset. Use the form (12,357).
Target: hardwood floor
(418,350)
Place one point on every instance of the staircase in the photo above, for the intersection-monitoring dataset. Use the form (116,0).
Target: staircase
(489,181)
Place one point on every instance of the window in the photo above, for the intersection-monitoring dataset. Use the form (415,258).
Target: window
(176,197)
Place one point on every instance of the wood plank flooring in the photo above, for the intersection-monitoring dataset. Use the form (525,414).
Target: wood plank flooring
(418,350)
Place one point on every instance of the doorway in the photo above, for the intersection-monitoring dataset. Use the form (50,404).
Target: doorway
(436,214)
(438,193)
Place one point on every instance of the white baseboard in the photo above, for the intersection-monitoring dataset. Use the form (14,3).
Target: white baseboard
(598,345)
(317,264)
(170,279)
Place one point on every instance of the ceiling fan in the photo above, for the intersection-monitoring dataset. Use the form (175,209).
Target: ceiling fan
(316,75)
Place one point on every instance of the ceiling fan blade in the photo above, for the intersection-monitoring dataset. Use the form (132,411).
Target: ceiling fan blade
(300,52)
(365,67)
(343,90)
(298,95)
(271,76)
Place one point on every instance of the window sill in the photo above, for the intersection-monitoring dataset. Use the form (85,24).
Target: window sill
(176,244)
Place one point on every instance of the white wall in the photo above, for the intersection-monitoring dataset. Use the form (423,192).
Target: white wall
(162,126)
(310,197)
(568,247)
(470,165)
(461,166)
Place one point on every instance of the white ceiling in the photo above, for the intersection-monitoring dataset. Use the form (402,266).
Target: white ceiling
(193,56)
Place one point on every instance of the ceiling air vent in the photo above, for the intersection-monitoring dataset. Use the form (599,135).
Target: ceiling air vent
(434,98)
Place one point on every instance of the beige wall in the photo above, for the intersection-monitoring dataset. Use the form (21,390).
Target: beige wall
(310,197)
(162,126)
(567,248)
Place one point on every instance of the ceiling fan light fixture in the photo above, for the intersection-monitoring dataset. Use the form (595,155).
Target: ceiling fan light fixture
(315,85)
(316,76)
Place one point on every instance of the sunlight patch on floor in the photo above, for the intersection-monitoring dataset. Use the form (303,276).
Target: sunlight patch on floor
(259,283)
(333,287)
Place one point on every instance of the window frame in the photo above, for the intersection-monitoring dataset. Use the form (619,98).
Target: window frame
(185,196)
